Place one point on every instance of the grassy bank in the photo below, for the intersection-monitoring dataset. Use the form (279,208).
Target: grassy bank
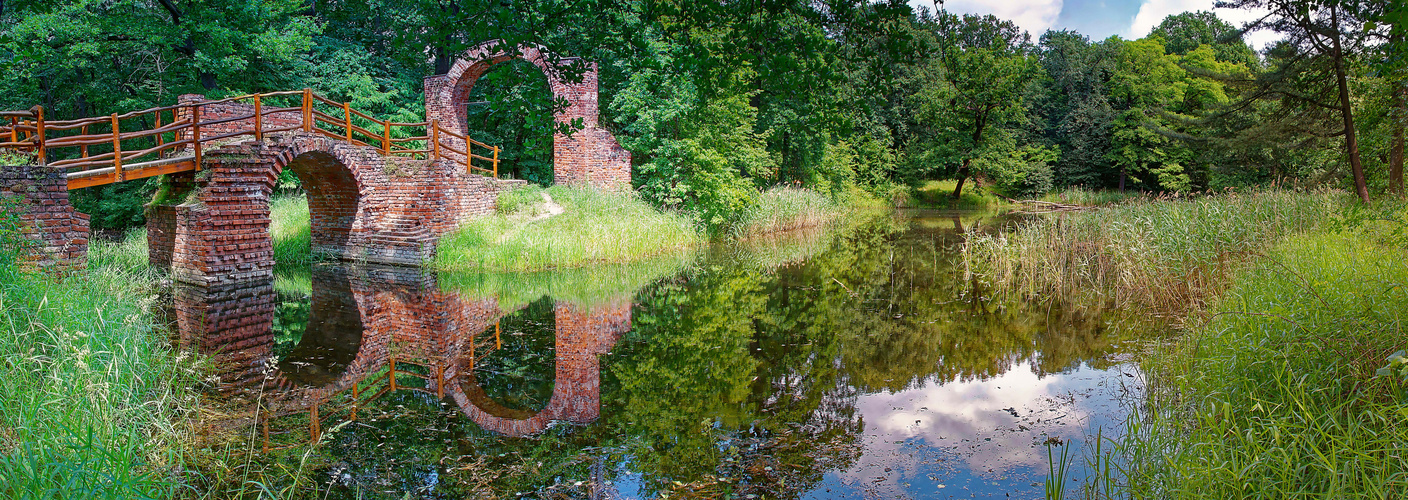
(1274,394)
(291,229)
(92,396)
(594,227)
(1166,254)
(939,194)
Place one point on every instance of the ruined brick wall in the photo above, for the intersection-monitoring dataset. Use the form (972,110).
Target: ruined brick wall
(59,234)
(590,156)
(233,324)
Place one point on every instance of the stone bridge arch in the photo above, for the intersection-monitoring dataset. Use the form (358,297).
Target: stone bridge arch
(212,226)
(590,156)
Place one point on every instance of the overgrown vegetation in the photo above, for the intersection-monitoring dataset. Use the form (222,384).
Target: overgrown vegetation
(92,398)
(1168,254)
(290,226)
(1274,393)
(595,227)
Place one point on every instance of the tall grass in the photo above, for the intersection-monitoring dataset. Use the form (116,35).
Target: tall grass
(1092,197)
(783,209)
(1274,395)
(91,395)
(597,227)
(290,227)
(1166,254)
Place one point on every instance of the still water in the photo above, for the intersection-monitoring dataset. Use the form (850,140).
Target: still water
(853,362)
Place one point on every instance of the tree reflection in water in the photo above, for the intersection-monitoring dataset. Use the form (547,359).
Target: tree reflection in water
(752,368)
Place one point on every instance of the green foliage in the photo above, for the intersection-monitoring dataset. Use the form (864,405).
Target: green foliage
(1274,395)
(12,241)
(1397,367)
(512,106)
(1024,172)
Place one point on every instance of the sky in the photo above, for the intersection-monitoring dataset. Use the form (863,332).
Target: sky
(1097,19)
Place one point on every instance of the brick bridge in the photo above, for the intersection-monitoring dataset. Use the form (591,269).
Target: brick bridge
(379,329)
(378,191)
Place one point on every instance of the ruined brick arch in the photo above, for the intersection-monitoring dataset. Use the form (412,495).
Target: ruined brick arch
(590,156)
(359,208)
(582,335)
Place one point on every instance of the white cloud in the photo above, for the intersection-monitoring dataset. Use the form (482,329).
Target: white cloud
(1153,12)
(1035,16)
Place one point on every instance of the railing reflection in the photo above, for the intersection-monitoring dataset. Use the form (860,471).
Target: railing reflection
(373,331)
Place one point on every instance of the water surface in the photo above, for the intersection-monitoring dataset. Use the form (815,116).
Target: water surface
(852,362)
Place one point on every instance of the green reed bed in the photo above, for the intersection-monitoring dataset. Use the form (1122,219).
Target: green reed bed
(595,227)
(783,209)
(91,396)
(1164,254)
(1274,394)
(1092,197)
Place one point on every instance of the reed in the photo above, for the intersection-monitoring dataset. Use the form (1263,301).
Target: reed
(783,209)
(596,227)
(1273,394)
(1168,255)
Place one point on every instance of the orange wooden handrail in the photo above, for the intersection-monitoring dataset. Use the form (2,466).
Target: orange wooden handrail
(31,131)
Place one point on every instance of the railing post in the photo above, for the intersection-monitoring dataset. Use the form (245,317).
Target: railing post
(314,426)
(440,382)
(435,139)
(258,120)
(195,132)
(386,138)
(496,162)
(347,115)
(84,148)
(14,130)
(160,140)
(307,109)
(39,132)
(116,150)
(392,376)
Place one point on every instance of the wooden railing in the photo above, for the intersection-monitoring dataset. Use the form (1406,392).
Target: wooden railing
(109,149)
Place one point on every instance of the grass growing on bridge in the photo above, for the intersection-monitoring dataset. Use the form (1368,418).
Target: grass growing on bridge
(596,227)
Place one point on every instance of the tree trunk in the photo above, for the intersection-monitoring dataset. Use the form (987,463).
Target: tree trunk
(1122,176)
(962,176)
(1351,140)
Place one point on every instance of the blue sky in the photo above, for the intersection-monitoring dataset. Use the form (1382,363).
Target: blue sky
(1097,19)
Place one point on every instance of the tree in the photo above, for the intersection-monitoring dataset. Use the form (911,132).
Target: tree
(983,67)
(1323,39)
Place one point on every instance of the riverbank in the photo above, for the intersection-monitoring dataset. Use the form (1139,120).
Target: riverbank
(93,397)
(1272,391)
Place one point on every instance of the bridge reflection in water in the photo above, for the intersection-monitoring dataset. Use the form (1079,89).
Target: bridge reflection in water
(372,331)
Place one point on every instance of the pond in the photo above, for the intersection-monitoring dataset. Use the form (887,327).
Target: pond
(858,361)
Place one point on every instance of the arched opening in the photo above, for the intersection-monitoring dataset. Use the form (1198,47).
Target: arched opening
(317,339)
(516,368)
(512,105)
(312,211)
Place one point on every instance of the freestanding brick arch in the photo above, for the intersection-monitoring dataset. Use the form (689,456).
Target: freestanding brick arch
(590,156)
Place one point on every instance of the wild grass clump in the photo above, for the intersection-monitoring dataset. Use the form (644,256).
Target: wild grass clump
(1167,254)
(1092,197)
(128,253)
(596,227)
(91,395)
(1274,395)
(783,209)
(290,227)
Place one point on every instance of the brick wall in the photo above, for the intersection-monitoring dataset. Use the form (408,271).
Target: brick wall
(58,234)
(589,156)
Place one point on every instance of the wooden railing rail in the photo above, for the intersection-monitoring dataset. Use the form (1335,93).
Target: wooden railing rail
(168,139)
